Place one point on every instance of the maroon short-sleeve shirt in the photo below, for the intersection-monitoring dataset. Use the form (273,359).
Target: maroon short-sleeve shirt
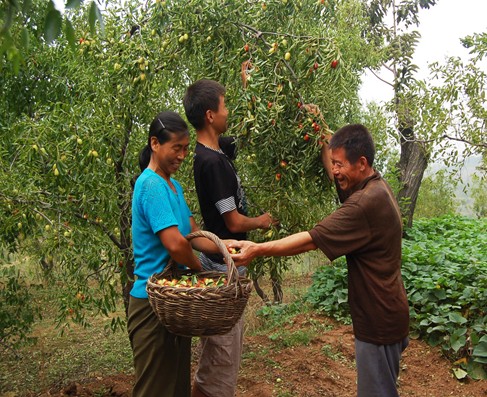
(367,229)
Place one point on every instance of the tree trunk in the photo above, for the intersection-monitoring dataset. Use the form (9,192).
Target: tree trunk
(125,207)
(126,288)
(412,164)
(128,276)
(260,291)
(277,290)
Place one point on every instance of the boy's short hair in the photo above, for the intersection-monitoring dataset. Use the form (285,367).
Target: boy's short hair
(201,96)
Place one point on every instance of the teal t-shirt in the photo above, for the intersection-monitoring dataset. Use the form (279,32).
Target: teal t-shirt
(154,207)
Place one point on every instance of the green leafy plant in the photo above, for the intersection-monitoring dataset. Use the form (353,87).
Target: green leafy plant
(278,318)
(445,273)
(329,291)
(279,314)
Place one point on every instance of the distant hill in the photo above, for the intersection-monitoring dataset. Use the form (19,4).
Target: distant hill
(462,191)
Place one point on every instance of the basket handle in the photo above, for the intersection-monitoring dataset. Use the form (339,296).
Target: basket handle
(232,272)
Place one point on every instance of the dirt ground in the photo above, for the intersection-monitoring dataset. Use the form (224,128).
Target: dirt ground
(323,368)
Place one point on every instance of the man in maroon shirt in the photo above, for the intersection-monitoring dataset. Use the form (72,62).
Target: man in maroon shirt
(367,229)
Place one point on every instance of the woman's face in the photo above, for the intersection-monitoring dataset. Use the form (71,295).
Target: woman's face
(168,157)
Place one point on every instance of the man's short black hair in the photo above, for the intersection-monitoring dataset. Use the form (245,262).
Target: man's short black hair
(356,140)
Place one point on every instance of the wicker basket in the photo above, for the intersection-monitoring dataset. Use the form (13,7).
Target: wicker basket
(200,311)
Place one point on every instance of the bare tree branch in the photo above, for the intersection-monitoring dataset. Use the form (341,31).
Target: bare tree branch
(380,78)
(480,144)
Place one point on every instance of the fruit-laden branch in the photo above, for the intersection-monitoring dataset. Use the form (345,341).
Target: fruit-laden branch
(258,34)
(98,224)
(47,206)
(247,66)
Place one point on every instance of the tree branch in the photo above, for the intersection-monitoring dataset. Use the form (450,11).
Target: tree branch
(483,145)
(380,78)
(452,138)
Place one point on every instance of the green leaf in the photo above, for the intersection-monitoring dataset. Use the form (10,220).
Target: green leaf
(7,43)
(95,15)
(440,328)
(438,320)
(476,370)
(439,293)
(70,34)
(481,349)
(459,373)
(8,18)
(25,38)
(52,26)
(457,342)
(16,60)
(26,4)
(435,339)
(456,318)
(73,3)
(14,3)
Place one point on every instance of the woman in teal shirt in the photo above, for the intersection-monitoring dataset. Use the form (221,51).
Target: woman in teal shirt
(160,220)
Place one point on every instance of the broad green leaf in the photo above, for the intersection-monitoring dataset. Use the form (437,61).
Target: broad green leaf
(12,52)
(73,3)
(8,18)
(457,342)
(70,33)
(440,293)
(481,349)
(456,318)
(95,15)
(459,373)
(26,4)
(476,370)
(440,328)
(25,39)
(16,59)
(52,25)
(92,16)
(438,320)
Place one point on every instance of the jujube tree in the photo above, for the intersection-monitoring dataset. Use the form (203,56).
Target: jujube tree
(74,122)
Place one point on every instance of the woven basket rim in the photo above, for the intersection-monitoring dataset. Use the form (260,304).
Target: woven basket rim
(173,305)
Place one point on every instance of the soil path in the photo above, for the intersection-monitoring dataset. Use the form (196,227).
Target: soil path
(323,367)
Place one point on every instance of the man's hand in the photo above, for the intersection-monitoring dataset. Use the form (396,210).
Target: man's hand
(228,244)
(267,221)
(245,252)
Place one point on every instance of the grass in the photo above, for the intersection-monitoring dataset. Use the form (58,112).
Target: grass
(61,355)
(59,358)
(55,359)
(329,352)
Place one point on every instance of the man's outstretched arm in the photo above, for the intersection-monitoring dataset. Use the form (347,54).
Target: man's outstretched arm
(288,246)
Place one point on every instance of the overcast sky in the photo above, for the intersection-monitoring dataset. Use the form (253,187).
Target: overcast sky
(441,28)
